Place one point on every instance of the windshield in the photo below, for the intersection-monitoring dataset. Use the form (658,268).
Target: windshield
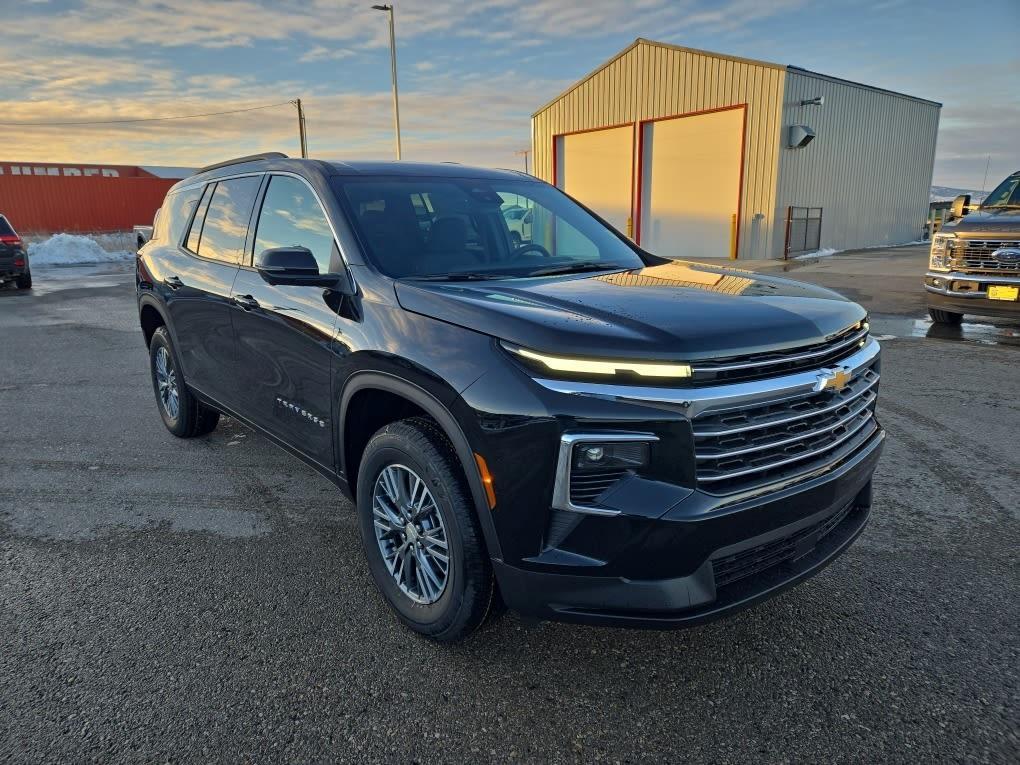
(460,228)
(1006,194)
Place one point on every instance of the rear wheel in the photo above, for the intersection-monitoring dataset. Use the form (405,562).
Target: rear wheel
(24,282)
(945,317)
(183,414)
(420,533)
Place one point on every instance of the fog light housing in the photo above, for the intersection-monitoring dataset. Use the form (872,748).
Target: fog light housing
(619,455)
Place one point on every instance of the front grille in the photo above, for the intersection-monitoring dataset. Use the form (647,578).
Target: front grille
(971,255)
(747,563)
(741,448)
(757,366)
(585,487)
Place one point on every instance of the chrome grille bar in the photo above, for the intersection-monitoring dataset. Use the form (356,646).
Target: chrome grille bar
(797,458)
(860,406)
(870,379)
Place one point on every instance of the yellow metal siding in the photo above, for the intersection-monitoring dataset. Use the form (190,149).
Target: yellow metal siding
(869,167)
(650,80)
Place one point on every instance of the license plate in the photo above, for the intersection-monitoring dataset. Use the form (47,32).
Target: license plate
(1003,292)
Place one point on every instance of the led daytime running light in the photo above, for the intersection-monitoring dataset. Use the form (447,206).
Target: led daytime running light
(597,367)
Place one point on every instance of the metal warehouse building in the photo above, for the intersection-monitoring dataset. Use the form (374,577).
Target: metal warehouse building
(697,154)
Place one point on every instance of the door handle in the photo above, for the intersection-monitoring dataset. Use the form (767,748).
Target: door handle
(246,302)
(173,282)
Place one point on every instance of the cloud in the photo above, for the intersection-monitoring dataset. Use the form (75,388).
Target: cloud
(322,53)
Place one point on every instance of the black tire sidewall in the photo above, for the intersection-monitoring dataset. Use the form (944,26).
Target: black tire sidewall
(390,448)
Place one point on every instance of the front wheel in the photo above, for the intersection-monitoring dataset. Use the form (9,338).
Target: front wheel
(421,536)
(945,317)
(183,414)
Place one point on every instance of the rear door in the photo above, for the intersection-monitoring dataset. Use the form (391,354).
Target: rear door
(197,286)
(284,332)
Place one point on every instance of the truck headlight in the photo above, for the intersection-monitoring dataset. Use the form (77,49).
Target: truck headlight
(941,255)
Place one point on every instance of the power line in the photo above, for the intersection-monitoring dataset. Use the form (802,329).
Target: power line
(143,119)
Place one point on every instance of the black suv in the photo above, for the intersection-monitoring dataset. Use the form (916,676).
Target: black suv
(569,426)
(13,257)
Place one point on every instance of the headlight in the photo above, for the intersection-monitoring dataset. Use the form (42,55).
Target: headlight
(941,252)
(582,366)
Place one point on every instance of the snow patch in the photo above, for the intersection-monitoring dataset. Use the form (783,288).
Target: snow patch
(818,254)
(73,249)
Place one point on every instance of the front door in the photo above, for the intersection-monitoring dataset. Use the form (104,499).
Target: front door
(283,332)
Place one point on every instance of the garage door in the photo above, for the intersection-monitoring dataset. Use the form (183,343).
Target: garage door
(596,168)
(690,183)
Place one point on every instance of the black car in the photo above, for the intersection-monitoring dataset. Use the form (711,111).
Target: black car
(571,427)
(974,263)
(13,257)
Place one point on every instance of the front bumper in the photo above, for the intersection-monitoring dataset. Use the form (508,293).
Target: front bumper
(744,555)
(967,293)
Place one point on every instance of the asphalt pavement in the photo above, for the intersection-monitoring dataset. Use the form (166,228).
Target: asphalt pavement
(208,600)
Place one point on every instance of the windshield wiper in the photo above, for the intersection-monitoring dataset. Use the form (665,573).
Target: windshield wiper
(457,277)
(576,268)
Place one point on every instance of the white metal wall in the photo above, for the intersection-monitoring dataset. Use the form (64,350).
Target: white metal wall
(650,80)
(869,167)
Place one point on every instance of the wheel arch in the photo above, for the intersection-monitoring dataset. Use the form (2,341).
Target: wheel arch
(151,316)
(427,403)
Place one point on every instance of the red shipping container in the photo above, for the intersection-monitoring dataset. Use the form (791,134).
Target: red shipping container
(72,203)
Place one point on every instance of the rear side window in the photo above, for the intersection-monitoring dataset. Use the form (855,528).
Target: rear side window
(5,227)
(175,214)
(226,221)
(291,216)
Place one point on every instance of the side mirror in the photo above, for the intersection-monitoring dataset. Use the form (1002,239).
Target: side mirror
(297,266)
(960,205)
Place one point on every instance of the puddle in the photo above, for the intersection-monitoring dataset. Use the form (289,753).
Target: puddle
(892,327)
(49,279)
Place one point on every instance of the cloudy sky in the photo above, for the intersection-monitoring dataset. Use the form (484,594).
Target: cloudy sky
(471,71)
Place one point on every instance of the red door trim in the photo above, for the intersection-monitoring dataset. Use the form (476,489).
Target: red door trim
(640,128)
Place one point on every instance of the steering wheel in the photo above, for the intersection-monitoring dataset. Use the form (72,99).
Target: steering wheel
(531,247)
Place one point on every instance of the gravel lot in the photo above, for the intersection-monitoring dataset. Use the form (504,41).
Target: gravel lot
(208,600)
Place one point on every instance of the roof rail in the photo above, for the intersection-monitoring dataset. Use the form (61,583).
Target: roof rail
(249,158)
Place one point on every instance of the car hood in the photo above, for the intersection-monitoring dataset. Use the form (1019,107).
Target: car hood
(677,310)
(990,220)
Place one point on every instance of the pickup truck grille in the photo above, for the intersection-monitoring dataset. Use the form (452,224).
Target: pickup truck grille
(975,255)
(738,449)
(758,366)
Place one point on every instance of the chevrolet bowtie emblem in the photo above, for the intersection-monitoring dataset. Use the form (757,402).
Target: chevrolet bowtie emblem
(833,379)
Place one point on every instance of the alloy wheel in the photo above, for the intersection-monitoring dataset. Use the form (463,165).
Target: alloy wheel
(166,381)
(411,535)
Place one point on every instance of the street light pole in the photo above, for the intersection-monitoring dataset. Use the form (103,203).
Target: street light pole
(393,71)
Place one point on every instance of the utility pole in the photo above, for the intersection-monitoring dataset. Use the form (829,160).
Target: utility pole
(301,128)
(393,72)
(525,152)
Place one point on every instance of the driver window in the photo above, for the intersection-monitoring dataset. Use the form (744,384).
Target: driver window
(291,216)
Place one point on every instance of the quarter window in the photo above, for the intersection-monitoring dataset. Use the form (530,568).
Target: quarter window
(195,234)
(291,217)
(226,222)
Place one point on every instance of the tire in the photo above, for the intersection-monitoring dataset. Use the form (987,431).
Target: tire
(468,595)
(945,317)
(186,416)
(24,282)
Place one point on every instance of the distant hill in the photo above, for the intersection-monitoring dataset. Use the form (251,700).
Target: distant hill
(948,193)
